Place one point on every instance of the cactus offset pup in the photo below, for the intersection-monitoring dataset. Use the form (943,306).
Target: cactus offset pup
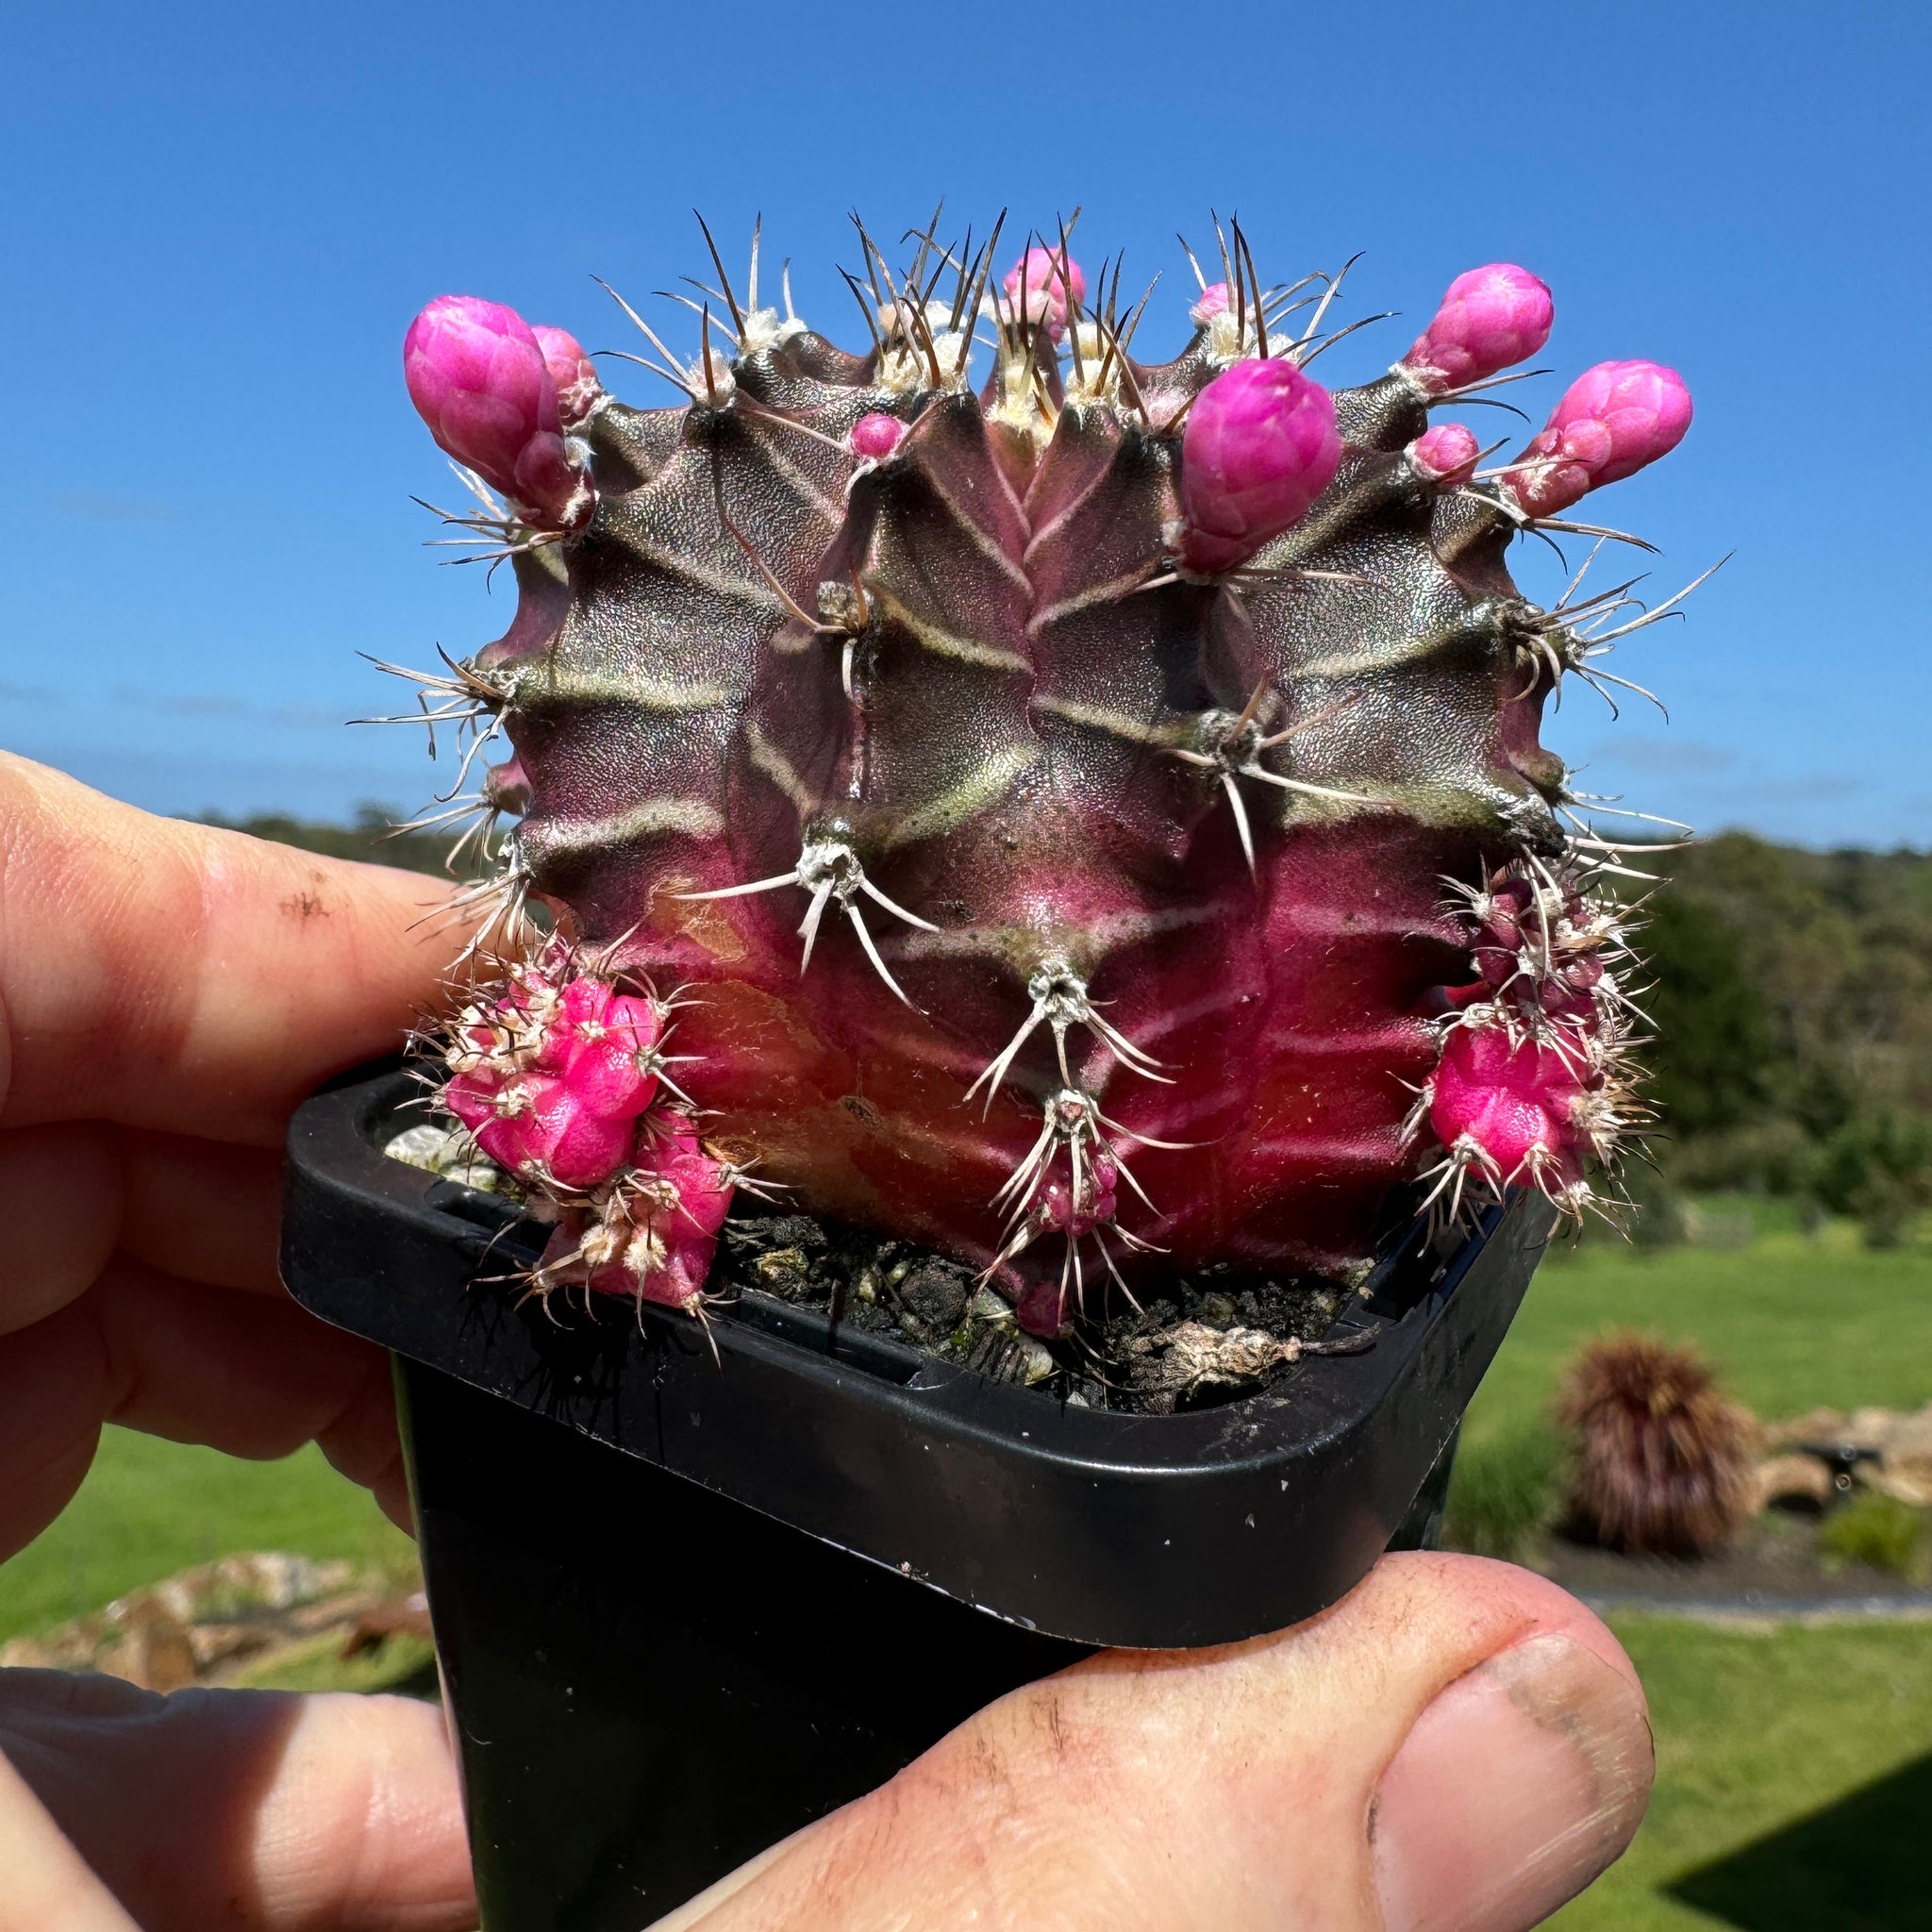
(1080,815)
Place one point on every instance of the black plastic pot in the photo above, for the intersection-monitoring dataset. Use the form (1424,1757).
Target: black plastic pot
(685,1603)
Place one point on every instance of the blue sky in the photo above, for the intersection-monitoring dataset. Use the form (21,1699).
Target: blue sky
(218,223)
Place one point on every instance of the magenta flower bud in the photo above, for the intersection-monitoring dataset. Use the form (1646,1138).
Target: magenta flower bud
(1516,1107)
(1261,445)
(1214,301)
(1048,292)
(1612,421)
(577,388)
(477,376)
(875,436)
(1445,454)
(1491,318)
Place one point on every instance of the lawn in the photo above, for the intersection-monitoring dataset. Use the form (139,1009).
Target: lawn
(1795,1764)
(1791,1321)
(1795,1783)
(149,1508)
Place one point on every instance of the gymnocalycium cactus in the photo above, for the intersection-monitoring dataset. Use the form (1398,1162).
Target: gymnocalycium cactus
(1078,814)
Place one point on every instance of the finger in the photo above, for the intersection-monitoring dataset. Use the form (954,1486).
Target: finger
(72,1193)
(1260,1786)
(246,1374)
(202,1210)
(47,1887)
(250,1808)
(177,977)
(60,1204)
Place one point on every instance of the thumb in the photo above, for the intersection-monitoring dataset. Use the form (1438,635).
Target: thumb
(1455,1747)
(247,1809)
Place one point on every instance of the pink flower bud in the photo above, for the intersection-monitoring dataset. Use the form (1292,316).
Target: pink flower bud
(1214,301)
(1261,445)
(1491,318)
(1046,291)
(535,1125)
(1612,421)
(507,787)
(1518,1106)
(1445,454)
(875,436)
(571,369)
(477,377)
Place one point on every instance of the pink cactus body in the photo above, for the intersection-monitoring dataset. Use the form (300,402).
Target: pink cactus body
(477,375)
(875,436)
(1046,289)
(1491,318)
(1261,445)
(1444,454)
(1612,421)
(579,390)
(1041,893)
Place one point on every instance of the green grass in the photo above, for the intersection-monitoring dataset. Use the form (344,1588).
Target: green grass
(149,1508)
(1880,1530)
(1791,1321)
(1794,1766)
(1795,1779)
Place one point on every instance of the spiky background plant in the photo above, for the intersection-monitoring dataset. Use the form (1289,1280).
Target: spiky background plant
(1081,815)
(1661,1456)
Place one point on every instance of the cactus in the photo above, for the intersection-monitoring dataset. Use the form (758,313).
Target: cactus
(1087,815)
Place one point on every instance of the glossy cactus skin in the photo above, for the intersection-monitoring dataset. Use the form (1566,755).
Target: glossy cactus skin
(1041,883)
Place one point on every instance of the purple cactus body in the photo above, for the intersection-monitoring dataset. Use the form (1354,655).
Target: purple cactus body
(1044,811)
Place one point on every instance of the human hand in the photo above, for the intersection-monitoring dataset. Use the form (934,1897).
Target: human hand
(1455,1747)
(168,992)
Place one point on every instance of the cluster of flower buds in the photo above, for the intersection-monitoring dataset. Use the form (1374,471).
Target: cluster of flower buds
(559,1078)
(497,397)
(1261,444)
(653,1233)
(1612,421)
(1532,1086)
(1491,318)
(1078,1209)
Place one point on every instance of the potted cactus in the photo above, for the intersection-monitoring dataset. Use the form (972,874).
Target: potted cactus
(1041,1002)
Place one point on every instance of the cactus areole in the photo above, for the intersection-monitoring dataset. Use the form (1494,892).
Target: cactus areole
(1080,816)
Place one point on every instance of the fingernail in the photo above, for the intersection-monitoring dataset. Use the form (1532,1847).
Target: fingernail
(1521,1783)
